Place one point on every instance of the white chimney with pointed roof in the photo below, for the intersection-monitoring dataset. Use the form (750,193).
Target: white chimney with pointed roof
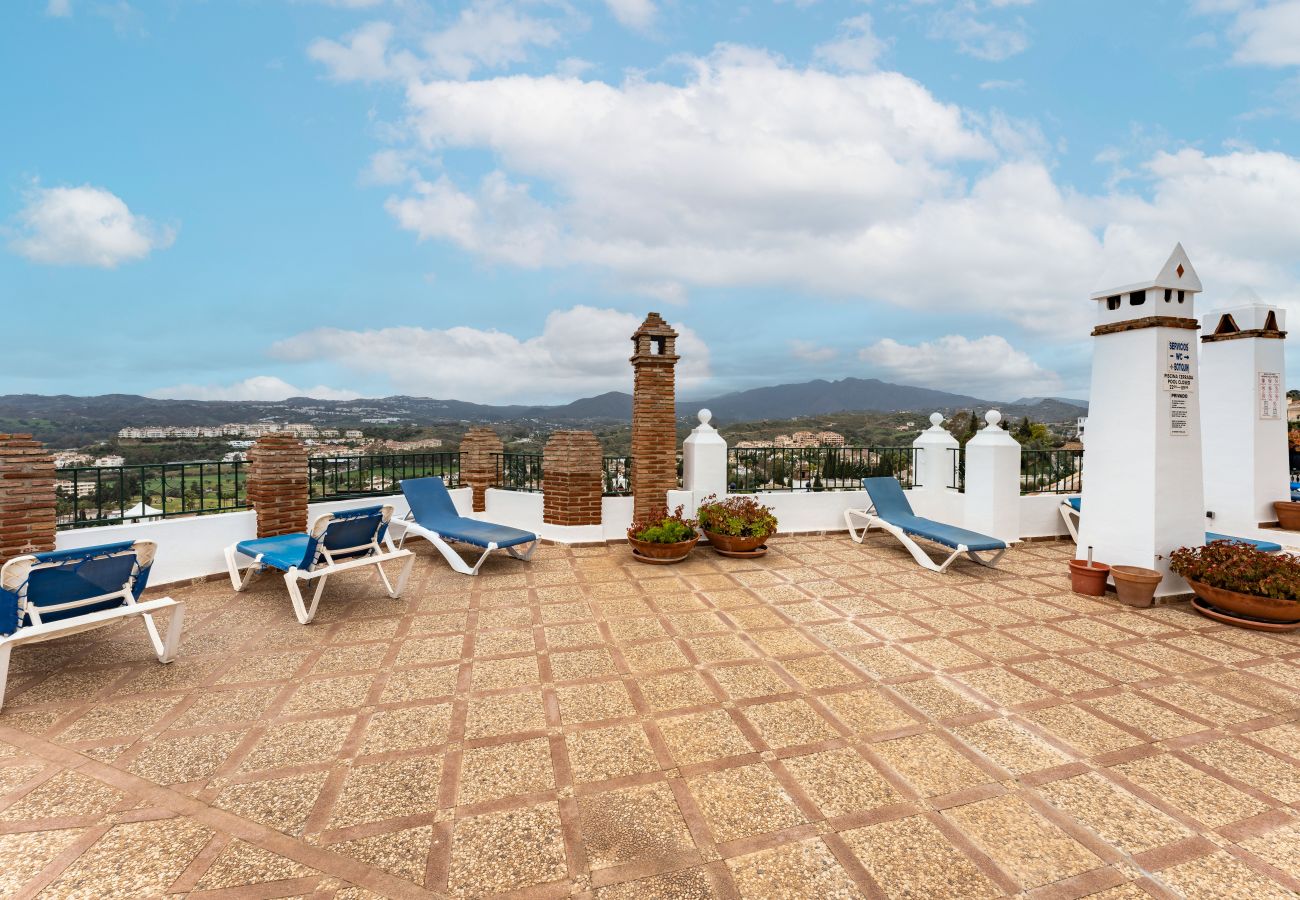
(1243,368)
(1142,488)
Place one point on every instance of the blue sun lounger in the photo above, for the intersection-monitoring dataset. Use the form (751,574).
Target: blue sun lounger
(433,517)
(890,511)
(336,542)
(50,595)
(1072,510)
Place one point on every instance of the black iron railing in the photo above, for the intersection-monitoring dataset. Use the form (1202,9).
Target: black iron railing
(346,477)
(518,471)
(957,480)
(90,496)
(1051,471)
(617,475)
(753,469)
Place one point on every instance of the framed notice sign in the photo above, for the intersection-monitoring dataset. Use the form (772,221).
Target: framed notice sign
(1178,420)
(1270,395)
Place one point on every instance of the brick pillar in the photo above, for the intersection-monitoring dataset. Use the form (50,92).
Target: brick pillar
(27,511)
(572,479)
(277,484)
(478,467)
(654,417)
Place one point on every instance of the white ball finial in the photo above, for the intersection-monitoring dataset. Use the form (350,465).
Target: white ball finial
(936,419)
(705,417)
(993,417)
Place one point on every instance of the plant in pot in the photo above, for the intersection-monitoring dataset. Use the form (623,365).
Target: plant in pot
(663,539)
(737,526)
(1088,577)
(1237,584)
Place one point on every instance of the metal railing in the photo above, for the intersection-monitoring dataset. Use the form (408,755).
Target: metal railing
(518,471)
(346,477)
(957,480)
(757,469)
(1051,471)
(90,496)
(616,472)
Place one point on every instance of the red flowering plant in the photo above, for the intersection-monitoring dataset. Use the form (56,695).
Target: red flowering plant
(669,529)
(737,516)
(1234,566)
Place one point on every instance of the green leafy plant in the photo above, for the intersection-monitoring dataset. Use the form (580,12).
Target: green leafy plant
(738,516)
(670,529)
(1234,566)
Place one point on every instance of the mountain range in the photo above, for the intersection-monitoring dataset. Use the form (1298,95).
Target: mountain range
(78,420)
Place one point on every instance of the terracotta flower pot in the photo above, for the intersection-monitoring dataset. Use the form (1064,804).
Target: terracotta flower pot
(1288,514)
(1135,585)
(1248,605)
(1086,579)
(661,554)
(730,543)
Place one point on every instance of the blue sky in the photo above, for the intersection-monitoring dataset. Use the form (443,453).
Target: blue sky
(252,198)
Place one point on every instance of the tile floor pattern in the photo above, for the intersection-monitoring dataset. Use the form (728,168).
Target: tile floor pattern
(830,721)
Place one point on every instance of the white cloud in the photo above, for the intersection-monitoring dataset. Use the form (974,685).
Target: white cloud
(995,84)
(637,14)
(1269,34)
(987,367)
(580,351)
(855,47)
(978,36)
(83,226)
(751,172)
(808,351)
(59,8)
(258,387)
(490,34)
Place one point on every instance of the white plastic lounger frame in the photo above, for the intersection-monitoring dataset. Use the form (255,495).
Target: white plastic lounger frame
(18,570)
(1071,516)
(454,559)
(295,575)
(872,520)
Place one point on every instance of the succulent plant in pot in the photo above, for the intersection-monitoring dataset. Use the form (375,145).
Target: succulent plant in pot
(1238,584)
(736,526)
(663,539)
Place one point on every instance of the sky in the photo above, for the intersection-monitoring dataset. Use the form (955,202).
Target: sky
(253,199)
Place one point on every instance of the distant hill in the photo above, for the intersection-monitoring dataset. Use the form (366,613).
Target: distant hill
(65,420)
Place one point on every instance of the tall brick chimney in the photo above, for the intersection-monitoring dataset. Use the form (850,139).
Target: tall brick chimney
(277,484)
(654,416)
(27,511)
(478,466)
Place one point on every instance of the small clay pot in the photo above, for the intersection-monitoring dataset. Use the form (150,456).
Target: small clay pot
(1135,585)
(1288,514)
(730,543)
(1086,579)
(648,551)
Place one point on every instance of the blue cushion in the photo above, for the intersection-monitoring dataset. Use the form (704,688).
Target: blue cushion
(432,506)
(892,506)
(76,574)
(1265,546)
(284,551)
(1076,503)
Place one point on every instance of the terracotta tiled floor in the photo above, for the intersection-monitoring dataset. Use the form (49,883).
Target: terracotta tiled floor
(827,722)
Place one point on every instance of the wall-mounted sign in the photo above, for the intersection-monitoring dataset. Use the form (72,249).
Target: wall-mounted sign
(1179,423)
(1270,395)
(1179,374)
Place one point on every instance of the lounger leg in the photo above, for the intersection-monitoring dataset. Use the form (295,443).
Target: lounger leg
(407,565)
(526,555)
(991,562)
(5,647)
(293,583)
(383,576)
(856,535)
(1071,519)
(165,648)
(239,579)
(453,558)
(482,559)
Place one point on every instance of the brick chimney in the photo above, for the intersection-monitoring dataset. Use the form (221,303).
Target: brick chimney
(27,510)
(654,416)
(277,484)
(478,466)
(572,479)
